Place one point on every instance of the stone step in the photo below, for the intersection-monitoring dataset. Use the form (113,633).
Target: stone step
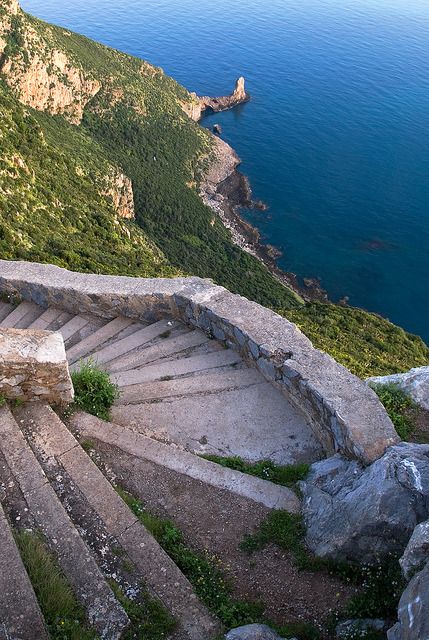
(255,423)
(125,345)
(14,318)
(72,326)
(5,309)
(173,368)
(59,321)
(271,495)
(96,339)
(77,563)
(30,317)
(45,319)
(162,576)
(20,615)
(196,385)
(164,348)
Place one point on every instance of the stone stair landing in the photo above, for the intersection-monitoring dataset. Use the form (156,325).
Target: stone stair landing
(181,387)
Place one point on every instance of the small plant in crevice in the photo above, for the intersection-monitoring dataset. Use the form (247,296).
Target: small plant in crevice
(382,584)
(149,620)
(94,391)
(2,400)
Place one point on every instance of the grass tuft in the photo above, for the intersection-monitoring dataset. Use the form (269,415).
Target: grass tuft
(64,616)
(285,475)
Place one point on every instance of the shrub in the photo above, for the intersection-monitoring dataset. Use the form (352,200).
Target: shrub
(396,402)
(94,391)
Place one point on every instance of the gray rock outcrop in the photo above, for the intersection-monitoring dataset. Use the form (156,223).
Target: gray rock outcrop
(413,618)
(416,553)
(359,514)
(253,632)
(415,383)
(359,625)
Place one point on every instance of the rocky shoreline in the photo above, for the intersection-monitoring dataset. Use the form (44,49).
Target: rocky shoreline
(226,190)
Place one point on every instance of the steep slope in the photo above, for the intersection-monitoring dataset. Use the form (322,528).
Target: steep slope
(91,137)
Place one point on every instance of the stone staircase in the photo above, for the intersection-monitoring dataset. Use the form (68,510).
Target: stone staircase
(183,394)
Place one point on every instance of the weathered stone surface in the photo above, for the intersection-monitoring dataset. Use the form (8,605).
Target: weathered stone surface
(413,618)
(361,624)
(416,553)
(253,632)
(356,514)
(415,383)
(345,414)
(33,366)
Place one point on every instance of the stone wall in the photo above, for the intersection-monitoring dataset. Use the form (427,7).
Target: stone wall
(33,366)
(344,412)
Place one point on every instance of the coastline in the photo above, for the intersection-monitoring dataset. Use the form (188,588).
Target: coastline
(226,190)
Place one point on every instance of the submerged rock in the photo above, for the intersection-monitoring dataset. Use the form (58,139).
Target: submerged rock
(360,514)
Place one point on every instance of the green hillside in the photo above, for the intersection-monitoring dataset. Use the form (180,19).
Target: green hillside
(75,114)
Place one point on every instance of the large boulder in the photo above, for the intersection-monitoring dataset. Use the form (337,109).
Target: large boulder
(416,553)
(413,618)
(253,632)
(360,514)
(415,383)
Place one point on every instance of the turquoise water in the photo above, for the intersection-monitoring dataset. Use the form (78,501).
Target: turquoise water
(335,138)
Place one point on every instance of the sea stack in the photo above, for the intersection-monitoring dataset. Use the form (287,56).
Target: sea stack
(238,96)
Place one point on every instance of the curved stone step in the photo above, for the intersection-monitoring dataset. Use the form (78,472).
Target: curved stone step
(271,495)
(77,563)
(137,339)
(173,368)
(169,347)
(162,576)
(20,615)
(96,339)
(5,309)
(45,319)
(19,314)
(193,385)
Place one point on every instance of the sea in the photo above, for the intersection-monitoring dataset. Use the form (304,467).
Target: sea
(335,138)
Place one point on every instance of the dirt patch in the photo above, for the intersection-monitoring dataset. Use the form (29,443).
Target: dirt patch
(214,521)
(420,418)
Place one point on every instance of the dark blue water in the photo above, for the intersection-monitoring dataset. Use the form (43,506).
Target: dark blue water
(335,139)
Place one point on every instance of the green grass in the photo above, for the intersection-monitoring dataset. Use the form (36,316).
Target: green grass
(285,475)
(397,403)
(363,342)
(283,528)
(94,391)
(64,616)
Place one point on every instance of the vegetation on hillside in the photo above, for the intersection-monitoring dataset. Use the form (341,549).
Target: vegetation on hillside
(52,209)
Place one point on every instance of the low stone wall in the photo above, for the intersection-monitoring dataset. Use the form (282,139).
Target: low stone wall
(33,366)
(344,412)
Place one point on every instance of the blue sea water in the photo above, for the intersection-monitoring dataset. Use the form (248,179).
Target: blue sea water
(335,139)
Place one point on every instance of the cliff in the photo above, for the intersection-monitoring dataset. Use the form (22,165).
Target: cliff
(121,144)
